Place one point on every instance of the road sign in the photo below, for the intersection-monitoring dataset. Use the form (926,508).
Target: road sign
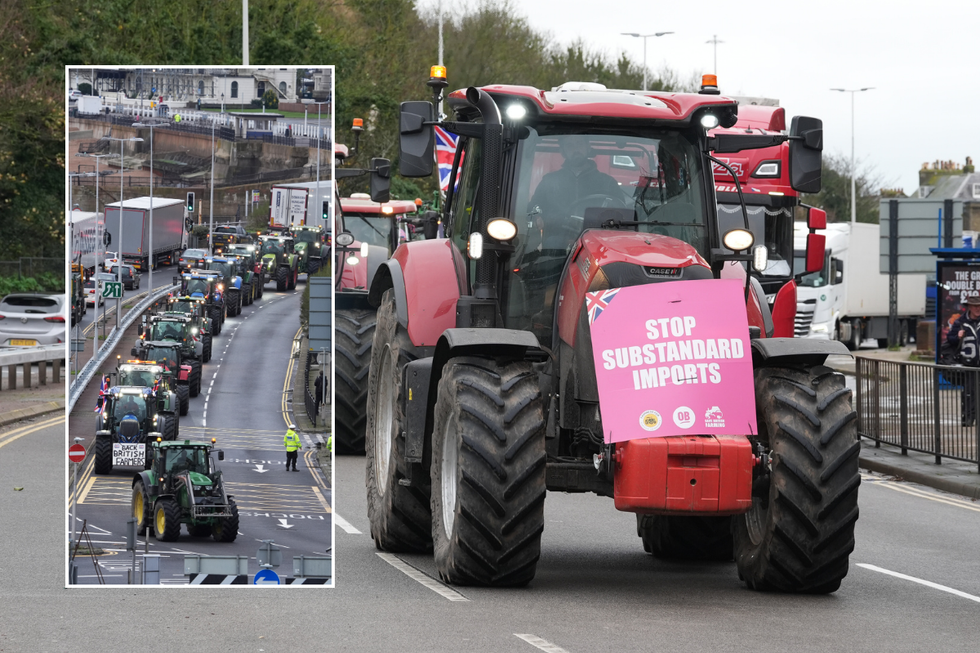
(266,577)
(112,290)
(76,453)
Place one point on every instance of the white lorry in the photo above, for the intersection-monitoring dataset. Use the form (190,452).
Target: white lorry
(89,105)
(848,299)
(170,227)
(303,204)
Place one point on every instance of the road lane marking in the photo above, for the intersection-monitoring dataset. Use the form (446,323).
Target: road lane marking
(345,525)
(920,581)
(16,434)
(542,644)
(322,499)
(88,486)
(950,501)
(416,575)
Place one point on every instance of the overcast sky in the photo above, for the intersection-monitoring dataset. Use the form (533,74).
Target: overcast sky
(922,58)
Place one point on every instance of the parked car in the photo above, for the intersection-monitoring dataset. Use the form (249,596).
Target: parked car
(74,94)
(130,276)
(31,319)
(191,258)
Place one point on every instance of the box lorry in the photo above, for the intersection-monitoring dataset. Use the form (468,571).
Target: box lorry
(88,105)
(170,227)
(848,299)
(294,205)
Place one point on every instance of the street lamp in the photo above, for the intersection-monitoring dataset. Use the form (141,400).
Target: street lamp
(149,258)
(122,176)
(715,40)
(644,37)
(101,259)
(853,171)
(211,201)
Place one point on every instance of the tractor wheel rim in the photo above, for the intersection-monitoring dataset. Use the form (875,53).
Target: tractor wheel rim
(447,480)
(161,520)
(384,420)
(138,509)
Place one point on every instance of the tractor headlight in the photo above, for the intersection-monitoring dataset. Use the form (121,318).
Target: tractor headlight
(501,228)
(353,260)
(475,246)
(365,248)
(738,240)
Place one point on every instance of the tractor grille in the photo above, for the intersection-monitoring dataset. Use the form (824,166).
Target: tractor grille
(205,511)
(804,317)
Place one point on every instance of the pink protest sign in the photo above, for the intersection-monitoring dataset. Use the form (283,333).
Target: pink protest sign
(673,358)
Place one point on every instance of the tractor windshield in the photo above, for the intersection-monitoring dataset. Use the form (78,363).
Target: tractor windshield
(187,460)
(183,307)
(163,355)
(129,405)
(650,181)
(137,377)
(370,229)
(197,286)
(304,236)
(272,247)
(772,225)
(226,269)
(166,331)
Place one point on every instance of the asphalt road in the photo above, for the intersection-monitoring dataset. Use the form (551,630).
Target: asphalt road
(244,404)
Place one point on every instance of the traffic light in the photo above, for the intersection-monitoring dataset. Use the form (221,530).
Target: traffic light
(190,202)
(326,210)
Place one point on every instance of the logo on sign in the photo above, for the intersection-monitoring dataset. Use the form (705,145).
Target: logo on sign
(734,165)
(650,420)
(684,417)
(714,418)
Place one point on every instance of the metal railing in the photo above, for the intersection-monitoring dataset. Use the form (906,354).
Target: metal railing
(45,357)
(920,407)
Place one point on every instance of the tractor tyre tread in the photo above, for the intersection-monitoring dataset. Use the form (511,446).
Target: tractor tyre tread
(171,520)
(354,336)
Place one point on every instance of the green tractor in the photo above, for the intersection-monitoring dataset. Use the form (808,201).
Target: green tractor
(281,263)
(184,486)
(311,247)
(164,399)
(181,329)
(195,309)
(230,281)
(127,421)
(248,260)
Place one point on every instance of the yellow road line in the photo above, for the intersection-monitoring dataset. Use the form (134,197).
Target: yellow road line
(16,434)
(319,495)
(956,503)
(85,490)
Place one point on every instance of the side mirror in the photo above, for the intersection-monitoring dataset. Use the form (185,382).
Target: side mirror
(838,271)
(816,218)
(805,154)
(221,454)
(380,180)
(815,246)
(417,141)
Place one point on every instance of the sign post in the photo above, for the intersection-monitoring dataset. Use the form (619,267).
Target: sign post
(76,454)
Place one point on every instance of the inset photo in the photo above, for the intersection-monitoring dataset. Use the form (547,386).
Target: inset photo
(199,233)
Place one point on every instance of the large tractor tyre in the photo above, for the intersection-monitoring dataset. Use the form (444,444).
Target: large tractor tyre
(260,287)
(215,320)
(488,473)
(194,379)
(207,343)
(167,426)
(231,301)
(399,513)
(141,508)
(800,530)
(184,397)
(246,294)
(686,537)
(354,330)
(103,456)
(166,520)
(225,529)
(282,278)
(199,530)
(312,267)
(294,278)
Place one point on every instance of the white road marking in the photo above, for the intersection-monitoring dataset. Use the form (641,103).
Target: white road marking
(345,525)
(542,644)
(927,583)
(924,494)
(421,578)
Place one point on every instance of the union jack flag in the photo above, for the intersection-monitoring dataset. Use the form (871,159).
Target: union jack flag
(597,302)
(445,152)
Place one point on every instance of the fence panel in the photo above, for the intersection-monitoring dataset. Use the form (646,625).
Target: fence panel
(920,407)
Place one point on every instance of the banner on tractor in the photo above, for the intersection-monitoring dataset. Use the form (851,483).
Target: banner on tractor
(131,455)
(673,358)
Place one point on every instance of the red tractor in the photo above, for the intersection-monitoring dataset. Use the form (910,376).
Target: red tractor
(368,233)
(487,387)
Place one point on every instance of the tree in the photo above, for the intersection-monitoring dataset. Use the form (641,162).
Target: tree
(835,194)
(270,99)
